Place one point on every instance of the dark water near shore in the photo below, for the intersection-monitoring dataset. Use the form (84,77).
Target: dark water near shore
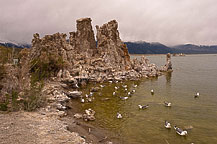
(192,73)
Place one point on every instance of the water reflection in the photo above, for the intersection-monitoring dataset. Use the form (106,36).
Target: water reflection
(168,77)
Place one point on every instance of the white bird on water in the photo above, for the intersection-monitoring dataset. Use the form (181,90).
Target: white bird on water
(133,91)
(167,125)
(167,104)
(102,86)
(124,86)
(76,85)
(119,116)
(180,131)
(124,98)
(82,100)
(143,106)
(197,95)
(116,87)
(114,93)
(91,94)
(152,91)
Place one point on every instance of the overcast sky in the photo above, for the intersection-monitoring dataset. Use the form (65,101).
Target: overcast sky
(167,21)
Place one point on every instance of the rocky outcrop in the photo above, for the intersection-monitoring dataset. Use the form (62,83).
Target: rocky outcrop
(83,60)
(83,41)
(110,46)
(168,66)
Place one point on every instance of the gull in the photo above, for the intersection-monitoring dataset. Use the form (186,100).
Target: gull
(180,131)
(125,86)
(167,104)
(143,106)
(197,95)
(133,91)
(129,94)
(102,86)
(152,91)
(167,125)
(124,98)
(82,100)
(76,85)
(119,116)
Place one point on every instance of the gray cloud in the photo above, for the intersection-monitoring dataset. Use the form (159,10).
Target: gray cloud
(166,21)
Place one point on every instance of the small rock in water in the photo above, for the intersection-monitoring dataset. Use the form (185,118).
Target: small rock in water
(74,94)
(89,115)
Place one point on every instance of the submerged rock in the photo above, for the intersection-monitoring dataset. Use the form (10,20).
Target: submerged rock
(89,115)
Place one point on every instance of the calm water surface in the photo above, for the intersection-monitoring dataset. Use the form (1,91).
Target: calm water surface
(192,73)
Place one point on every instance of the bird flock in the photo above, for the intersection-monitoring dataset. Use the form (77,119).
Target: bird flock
(89,98)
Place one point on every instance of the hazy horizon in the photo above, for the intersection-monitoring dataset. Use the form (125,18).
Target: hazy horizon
(170,22)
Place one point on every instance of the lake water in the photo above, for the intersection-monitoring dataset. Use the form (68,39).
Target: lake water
(192,73)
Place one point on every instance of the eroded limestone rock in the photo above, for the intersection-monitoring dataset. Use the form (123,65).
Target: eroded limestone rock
(111,48)
(168,66)
(89,115)
(83,61)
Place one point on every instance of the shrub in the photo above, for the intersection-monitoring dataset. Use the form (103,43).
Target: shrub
(33,99)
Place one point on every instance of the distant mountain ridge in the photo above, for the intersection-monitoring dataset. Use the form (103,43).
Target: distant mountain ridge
(13,44)
(142,47)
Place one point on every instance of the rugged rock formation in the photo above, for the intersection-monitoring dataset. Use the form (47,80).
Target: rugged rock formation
(83,41)
(110,46)
(82,60)
(168,66)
